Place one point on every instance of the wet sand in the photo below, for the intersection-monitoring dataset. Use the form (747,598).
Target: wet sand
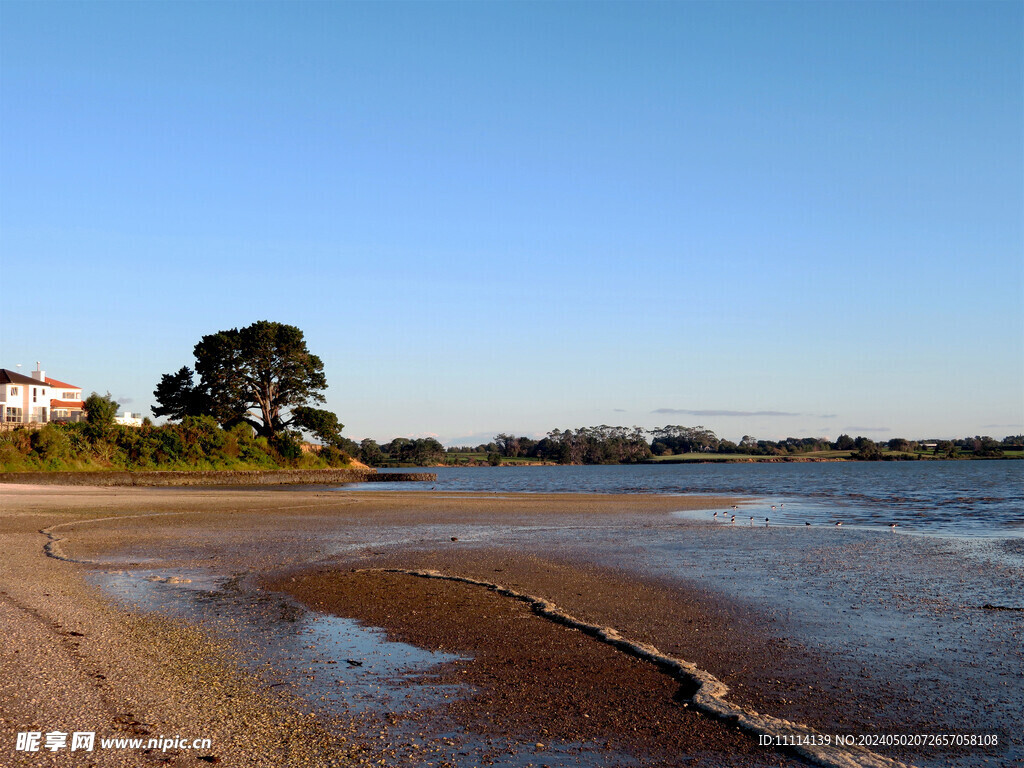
(529,681)
(533,680)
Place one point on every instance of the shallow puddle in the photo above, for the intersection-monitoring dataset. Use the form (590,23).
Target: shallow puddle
(343,670)
(335,663)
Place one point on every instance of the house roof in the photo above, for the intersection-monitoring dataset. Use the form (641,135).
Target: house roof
(60,384)
(74,404)
(12,377)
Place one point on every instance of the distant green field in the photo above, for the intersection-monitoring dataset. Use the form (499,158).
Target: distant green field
(746,457)
(465,458)
(705,457)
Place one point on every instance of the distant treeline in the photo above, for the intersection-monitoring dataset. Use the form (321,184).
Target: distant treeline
(630,445)
(623,445)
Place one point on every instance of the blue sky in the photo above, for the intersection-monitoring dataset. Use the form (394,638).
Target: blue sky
(767,218)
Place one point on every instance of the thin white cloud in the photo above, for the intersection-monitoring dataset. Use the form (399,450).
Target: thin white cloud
(689,412)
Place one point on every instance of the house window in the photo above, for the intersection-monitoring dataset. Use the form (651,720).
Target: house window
(14,390)
(14,415)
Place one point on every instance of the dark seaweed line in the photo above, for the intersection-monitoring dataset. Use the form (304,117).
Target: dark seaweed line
(708,692)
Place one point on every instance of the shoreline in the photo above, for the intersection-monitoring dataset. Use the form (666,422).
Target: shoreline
(319,537)
(176,478)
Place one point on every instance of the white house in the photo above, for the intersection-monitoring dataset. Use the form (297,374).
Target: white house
(23,399)
(65,400)
(129,419)
(37,399)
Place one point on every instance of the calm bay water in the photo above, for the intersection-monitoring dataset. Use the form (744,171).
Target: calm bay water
(952,498)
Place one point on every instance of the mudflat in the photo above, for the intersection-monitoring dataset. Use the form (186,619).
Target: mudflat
(523,689)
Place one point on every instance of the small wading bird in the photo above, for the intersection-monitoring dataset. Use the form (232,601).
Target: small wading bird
(751,519)
(766,522)
(733,521)
(893,527)
(839,523)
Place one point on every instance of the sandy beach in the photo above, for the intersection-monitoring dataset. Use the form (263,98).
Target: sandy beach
(215,636)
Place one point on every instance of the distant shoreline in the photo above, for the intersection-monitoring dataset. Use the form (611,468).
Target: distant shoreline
(712,459)
(819,460)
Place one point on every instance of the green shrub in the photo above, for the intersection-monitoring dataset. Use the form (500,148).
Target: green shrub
(51,442)
(171,447)
(287,445)
(334,457)
(254,451)
(139,447)
(201,436)
(19,439)
(11,459)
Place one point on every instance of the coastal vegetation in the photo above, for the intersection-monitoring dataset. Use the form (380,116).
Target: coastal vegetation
(200,443)
(262,375)
(676,443)
(194,443)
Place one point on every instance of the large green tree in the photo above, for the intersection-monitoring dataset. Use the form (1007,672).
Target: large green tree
(179,396)
(261,375)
